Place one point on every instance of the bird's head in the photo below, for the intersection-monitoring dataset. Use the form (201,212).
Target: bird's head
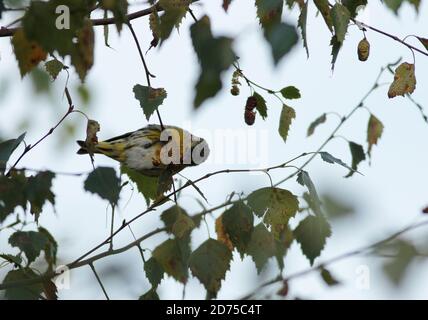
(182,148)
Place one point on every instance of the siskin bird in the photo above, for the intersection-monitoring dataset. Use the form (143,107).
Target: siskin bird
(151,150)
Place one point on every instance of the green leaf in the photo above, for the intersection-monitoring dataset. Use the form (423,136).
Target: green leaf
(321,119)
(336,206)
(238,224)
(261,105)
(174,13)
(290,92)
(287,116)
(150,99)
(146,185)
(404,80)
(424,41)
(335,48)
(104,182)
(177,221)
(173,259)
(324,8)
(312,233)
(154,272)
(28,53)
(358,155)
(50,249)
(30,242)
(305,180)
(282,37)
(404,254)
(2,8)
(328,278)
(353,6)
(395,5)
(276,205)
(209,263)
(54,67)
(261,246)
(28,292)
(12,193)
(374,132)
(38,191)
(327,157)
(40,80)
(7,148)
(340,15)
(302,25)
(215,55)
(149,295)
(119,8)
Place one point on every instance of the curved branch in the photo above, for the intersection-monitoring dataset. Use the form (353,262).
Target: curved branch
(343,256)
(74,265)
(8,32)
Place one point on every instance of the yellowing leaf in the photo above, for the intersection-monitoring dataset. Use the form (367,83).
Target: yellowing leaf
(287,115)
(374,132)
(82,56)
(222,236)
(276,205)
(404,80)
(28,53)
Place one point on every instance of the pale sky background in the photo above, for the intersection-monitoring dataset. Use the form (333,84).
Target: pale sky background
(389,196)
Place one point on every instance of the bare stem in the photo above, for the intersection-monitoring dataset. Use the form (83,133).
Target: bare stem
(29,147)
(99,281)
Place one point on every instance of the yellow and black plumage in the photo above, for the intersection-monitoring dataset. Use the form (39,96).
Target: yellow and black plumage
(141,150)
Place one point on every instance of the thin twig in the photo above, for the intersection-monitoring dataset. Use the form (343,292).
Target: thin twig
(79,263)
(346,255)
(146,69)
(29,147)
(99,280)
(112,226)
